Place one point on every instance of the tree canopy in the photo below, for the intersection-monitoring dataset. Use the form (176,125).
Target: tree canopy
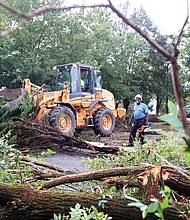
(91,36)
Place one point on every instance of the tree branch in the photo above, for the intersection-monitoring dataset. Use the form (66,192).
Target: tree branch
(28,16)
(13,10)
(11,30)
(97,175)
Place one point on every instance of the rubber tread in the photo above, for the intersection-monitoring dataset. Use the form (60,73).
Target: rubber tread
(98,127)
(55,115)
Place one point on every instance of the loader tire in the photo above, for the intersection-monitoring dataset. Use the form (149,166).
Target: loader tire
(104,122)
(63,118)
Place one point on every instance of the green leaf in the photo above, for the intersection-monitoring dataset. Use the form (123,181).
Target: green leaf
(165,203)
(158,215)
(77,206)
(167,189)
(171,201)
(172,120)
(55,216)
(172,108)
(152,207)
(160,212)
(144,214)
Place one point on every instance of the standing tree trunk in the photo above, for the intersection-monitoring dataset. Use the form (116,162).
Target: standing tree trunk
(167,86)
(167,109)
(158,104)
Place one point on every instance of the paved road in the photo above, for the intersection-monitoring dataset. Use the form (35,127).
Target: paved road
(73,161)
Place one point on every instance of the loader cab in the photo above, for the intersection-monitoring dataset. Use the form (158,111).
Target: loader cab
(83,79)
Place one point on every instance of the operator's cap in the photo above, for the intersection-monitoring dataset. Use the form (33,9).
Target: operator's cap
(138,96)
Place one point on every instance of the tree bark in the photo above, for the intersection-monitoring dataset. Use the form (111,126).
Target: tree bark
(158,101)
(20,202)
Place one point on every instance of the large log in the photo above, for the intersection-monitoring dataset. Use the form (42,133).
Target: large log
(20,202)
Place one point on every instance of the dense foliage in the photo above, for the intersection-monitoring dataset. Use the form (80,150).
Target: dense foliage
(10,117)
(91,36)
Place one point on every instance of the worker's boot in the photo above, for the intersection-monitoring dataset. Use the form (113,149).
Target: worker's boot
(131,139)
(141,136)
(130,145)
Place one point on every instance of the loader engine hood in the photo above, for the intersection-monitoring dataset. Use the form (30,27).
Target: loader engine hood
(108,96)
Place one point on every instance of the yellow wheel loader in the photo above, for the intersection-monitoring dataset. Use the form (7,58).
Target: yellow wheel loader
(78,102)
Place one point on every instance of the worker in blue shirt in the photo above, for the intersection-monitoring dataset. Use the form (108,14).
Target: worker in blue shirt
(140,115)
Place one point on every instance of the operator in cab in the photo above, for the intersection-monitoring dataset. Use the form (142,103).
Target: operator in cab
(84,81)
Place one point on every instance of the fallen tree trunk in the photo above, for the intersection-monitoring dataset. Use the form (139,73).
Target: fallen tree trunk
(20,202)
(177,181)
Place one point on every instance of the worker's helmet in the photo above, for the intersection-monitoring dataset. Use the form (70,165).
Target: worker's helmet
(138,96)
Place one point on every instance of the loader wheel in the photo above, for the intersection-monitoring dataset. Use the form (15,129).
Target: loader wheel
(64,119)
(104,122)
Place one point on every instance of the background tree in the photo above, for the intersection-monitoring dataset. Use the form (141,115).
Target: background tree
(92,36)
(156,69)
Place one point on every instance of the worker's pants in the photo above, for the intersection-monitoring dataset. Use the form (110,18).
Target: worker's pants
(137,124)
